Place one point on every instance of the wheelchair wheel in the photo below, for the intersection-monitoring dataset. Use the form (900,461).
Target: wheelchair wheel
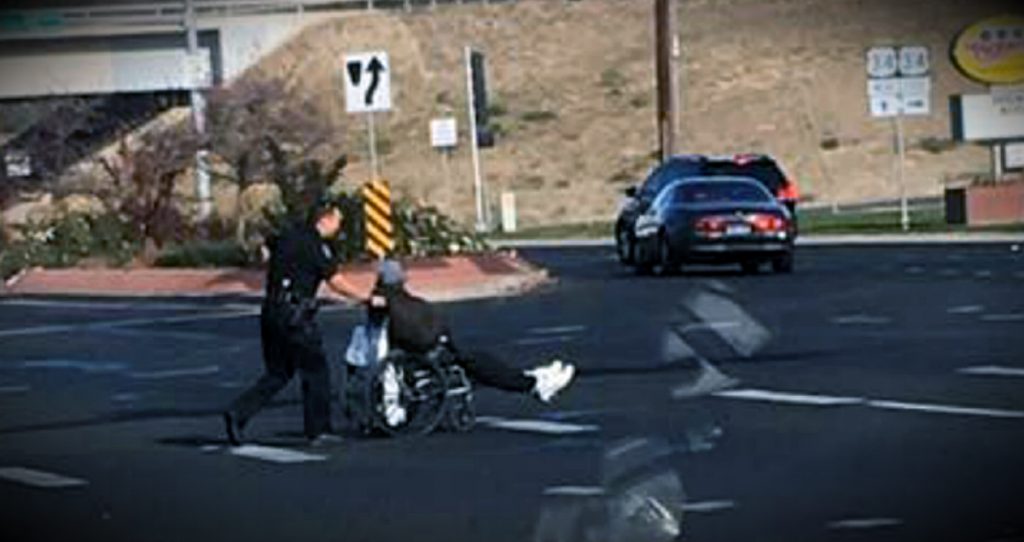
(408,397)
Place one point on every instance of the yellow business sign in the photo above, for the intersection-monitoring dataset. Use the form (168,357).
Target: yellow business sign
(992,51)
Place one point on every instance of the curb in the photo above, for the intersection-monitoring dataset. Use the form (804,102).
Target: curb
(806,240)
(438,279)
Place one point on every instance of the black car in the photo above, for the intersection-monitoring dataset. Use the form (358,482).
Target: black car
(715,220)
(760,167)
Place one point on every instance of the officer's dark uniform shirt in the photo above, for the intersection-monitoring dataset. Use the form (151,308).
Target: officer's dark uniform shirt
(299,260)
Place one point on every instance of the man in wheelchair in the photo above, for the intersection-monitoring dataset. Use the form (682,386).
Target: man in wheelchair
(416,330)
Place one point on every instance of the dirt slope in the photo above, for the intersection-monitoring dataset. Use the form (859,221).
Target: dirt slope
(574,82)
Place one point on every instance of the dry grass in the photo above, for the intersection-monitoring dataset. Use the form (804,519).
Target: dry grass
(575,86)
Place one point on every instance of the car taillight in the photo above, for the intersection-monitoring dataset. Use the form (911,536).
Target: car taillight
(710,224)
(789,191)
(767,223)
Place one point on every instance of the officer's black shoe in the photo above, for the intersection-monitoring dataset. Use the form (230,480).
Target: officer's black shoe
(232,429)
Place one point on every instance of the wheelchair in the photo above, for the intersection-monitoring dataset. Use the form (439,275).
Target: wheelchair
(430,391)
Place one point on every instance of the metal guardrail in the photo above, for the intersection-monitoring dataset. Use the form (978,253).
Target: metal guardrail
(55,20)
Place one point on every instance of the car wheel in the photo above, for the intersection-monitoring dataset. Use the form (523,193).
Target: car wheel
(625,247)
(783,264)
(751,267)
(666,263)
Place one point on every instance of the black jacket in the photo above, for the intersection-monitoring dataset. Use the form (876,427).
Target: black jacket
(414,325)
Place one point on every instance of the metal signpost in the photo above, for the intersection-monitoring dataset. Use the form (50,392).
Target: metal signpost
(368,90)
(474,142)
(898,85)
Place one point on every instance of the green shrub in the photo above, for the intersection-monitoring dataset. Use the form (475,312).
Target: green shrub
(539,116)
(66,240)
(205,254)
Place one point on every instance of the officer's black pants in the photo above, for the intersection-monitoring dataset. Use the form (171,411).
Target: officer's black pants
(285,349)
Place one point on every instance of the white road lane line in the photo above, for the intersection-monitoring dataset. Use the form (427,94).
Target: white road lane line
(711,326)
(966,309)
(176,373)
(544,340)
(536,426)
(914,270)
(14,389)
(274,455)
(865,523)
(91,367)
(1003,318)
(557,330)
(983,274)
(44,330)
(950,273)
(38,478)
(575,491)
(789,398)
(706,507)
(861,319)
(101,305)
(947,409)
(993,370)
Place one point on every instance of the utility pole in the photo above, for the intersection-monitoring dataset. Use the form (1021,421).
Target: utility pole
(198,102)
(666,53)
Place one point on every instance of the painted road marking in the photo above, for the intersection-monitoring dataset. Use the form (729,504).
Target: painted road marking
(14,389)
(536,426)
(38,478)
(125,397)
(947,409)
(274,455)
(44,330)
(575,491)
(966,309)
(545,340)
(558,330)
(711,326)
(865,523)
(175,373)
(983,274)
(746,337)
(705,507)
(993,370)
(1003,318)
(860,319)
(102,305)
(94,367)
(914,270)
(828,400)
(950,273)
(790,398)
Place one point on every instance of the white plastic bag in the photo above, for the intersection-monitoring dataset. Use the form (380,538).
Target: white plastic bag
(367,346)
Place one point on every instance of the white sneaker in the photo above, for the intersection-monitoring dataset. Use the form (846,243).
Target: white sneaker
(551,379)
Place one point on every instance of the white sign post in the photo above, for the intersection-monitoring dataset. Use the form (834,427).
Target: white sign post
(898,85)
(368,90)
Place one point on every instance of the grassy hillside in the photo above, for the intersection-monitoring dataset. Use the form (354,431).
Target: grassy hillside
(572,88)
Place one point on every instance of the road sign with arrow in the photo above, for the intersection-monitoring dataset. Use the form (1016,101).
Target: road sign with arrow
(367,82)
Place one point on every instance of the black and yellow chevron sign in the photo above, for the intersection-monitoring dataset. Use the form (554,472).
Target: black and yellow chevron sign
(380,231)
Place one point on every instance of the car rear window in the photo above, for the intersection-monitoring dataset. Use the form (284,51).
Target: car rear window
(764,171)
(720,192)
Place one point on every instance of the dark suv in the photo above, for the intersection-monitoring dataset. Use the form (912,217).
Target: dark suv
(760,167)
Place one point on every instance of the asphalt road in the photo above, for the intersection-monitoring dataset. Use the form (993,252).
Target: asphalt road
(878,395)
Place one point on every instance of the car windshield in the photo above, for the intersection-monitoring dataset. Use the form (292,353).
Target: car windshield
(719,192)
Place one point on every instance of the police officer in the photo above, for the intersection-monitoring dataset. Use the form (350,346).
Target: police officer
(300,259)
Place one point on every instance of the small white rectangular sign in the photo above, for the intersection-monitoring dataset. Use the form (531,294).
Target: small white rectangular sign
(1013,155)
(884,106)
(915,94)
(444,133)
